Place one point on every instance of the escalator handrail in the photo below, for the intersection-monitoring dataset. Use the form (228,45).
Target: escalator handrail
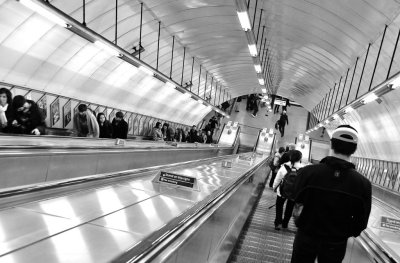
(258,139)
(157,242)
(382,250)
(236,137)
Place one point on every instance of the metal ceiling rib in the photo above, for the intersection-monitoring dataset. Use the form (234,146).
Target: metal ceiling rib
(310,43)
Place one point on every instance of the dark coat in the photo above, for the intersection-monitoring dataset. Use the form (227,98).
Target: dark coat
(283,120)
(28,121)
(336,199)
(106,130)
(120,129)
(9,117)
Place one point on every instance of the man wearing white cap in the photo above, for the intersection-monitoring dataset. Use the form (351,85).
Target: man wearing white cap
(336,202)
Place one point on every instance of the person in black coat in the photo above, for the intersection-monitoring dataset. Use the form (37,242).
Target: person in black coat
(119,126)
(26,117)
(106,130)
(283,120)
(5,109)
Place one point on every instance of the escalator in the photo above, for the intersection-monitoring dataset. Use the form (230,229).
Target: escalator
(33,160)
(131,216)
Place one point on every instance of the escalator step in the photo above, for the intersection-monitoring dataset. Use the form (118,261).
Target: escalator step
(259,241)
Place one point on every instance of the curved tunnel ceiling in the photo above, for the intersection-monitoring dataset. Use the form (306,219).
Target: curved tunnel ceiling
(312,42)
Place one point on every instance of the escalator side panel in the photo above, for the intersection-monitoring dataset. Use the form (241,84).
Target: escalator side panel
(30,168)
(210,243)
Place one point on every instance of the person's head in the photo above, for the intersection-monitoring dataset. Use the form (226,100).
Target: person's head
(284,112)
(119,116)
(292,146)
(281,150)
(344,140)
(20,104)
(101,118)
(82,108)
(158,125)
(165,125)
(295,156)
(287,148)
(5,97)
(194,127)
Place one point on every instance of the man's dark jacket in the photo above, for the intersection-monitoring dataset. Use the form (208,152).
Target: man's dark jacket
(336,199)
(120,129)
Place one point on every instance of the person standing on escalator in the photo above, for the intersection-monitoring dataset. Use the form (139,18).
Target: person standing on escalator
(283,120)
(120,126)
(336,202)
(85,123)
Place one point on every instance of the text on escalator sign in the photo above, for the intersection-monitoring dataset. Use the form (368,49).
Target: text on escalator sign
(390,223)
(176,179)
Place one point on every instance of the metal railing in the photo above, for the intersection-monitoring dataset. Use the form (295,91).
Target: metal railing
(383,173)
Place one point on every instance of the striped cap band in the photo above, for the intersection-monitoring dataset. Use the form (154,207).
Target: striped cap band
(346,134)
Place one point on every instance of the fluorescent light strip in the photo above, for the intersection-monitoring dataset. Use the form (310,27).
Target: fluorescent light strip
(146,70)
(107,48)
(44,12)
(264,90)
(253,50)
(261,81)
(244,20)
(371,97)
(258,68)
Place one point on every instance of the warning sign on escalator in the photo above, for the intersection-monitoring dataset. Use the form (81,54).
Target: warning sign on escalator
(390,223)
(178,180)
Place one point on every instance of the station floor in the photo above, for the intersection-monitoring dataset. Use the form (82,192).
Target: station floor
(297,122)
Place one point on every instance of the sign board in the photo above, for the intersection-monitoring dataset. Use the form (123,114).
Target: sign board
(280,102)
(176,180)
(390,223)
(119,142)
(245,158)
(226,164)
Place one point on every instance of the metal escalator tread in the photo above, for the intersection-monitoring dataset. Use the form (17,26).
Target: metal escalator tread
(259,241)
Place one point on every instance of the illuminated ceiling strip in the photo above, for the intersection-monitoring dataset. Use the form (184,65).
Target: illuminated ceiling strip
(380,90)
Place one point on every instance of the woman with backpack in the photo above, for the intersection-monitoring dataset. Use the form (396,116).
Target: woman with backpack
(284,186)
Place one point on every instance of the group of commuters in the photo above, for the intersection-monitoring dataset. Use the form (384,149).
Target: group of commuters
(19,115)
(252,104)
(330,201)
(87,125)
(164,132)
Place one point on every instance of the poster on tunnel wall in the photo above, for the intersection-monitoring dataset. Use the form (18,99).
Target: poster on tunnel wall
(67,113)
(55,112)
(42,104)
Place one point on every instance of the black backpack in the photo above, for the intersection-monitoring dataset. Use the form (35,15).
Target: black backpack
(287,185)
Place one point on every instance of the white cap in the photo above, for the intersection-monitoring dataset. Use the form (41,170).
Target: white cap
(346,133)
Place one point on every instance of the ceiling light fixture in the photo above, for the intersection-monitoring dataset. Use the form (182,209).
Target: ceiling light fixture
(253,50)
(244,20)
(349,109)
(44,12)
(261,81)
(258,68)
(146,70)
(170,85)
(107,48)
(371,97)
(264,90)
